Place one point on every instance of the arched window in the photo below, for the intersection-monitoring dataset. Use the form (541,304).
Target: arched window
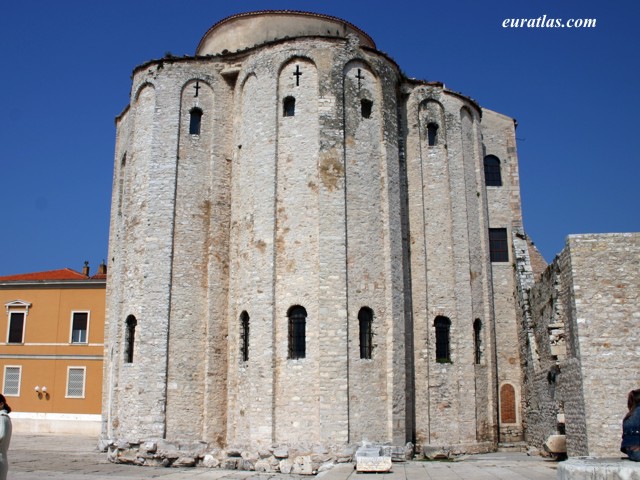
(297,332)
(492,175)
(477,341)
(507,404)
(244,336)
(443,325)
(195,121)
(129,339)
(432,134)
(289,107)
(365,319)
(365,107)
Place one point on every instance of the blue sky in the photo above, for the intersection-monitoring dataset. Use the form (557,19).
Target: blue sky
(66,69)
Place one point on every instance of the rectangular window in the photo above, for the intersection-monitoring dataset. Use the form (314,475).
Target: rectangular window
(79,327)
(16,327)
(11,385)
(75,382)
(498,245)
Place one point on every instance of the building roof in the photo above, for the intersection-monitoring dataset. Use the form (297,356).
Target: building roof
(246,30)
(55,276)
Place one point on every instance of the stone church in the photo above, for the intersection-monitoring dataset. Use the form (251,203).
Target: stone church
(309,250)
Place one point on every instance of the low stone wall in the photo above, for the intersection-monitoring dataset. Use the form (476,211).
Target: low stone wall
(591,468)
(298,459)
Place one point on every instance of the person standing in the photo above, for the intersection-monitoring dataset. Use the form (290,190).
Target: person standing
(631,427)
(5,436)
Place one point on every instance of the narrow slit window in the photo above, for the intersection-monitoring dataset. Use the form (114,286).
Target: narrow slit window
(289,107)
(195,121)
(130,337)
(297,332)
(442,326)
(244,336)
(432,134)
(365,320)
(365,108)
(477,341)
(492,175)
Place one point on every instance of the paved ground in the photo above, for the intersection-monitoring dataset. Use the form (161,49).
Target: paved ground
(57,457)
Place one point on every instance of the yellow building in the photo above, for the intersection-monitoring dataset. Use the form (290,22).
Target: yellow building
(51,349)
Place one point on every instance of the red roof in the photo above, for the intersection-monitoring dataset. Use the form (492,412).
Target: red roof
(62,274)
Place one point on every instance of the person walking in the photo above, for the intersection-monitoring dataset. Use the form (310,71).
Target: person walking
(5,436)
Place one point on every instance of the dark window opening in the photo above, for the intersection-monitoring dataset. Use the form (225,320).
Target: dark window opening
(123,164)
(244,336)
(297,331)
(365,319)
(130,336)
(195,121)
(289,107)
(477,341)
(492,175)
(16,327)
(365,108)
(432,134)
(443,354)
(79,328)
(498,246)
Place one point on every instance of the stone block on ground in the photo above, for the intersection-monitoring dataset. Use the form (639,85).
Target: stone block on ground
(591,468)
(372,459)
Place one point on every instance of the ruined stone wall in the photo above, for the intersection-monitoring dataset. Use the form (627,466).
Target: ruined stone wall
(554,399)
(583,309)
(606,275)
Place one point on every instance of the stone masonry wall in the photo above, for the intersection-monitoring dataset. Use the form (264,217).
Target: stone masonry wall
(262,211)
(504,211)
(585,350)
(606,288)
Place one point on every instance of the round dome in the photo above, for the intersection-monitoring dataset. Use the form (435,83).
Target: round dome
(246,30)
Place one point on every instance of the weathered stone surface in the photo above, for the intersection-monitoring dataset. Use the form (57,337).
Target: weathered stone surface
(340,209)
(591,468)
(436,453)
(281,452)
(149,447)
(230,463)
(209,461)
(104,444)
(234,452)
(286,466)
(185,462)
(263,465)
(556,444)
(372,459)
(302,465)
(587,298)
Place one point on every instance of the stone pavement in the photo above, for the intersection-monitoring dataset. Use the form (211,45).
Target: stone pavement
(63,457)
